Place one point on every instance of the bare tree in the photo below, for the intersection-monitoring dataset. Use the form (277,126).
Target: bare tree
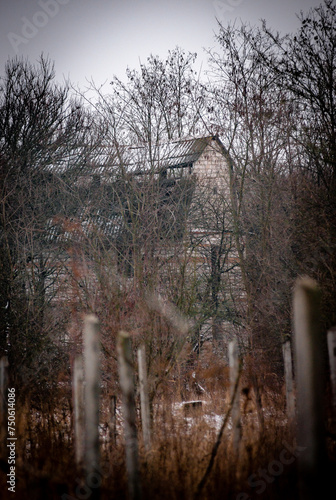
(43,144)
(306,65)
(252,111)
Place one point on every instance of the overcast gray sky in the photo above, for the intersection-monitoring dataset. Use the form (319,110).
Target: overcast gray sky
(99,38)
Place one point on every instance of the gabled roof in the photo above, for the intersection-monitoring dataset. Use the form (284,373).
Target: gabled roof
(184,152)
(138,159)
(102,218)
(179,153)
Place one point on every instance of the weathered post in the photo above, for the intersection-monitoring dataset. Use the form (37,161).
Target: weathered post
(126,376)
(78,408)
(91,392)
(235,393)
(310,389)
(144,400)
(332,364)
(3,397)
(288,368)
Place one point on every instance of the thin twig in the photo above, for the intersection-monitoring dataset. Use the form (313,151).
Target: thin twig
(214,451)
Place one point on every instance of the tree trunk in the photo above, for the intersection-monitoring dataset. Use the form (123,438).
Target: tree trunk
(129,413)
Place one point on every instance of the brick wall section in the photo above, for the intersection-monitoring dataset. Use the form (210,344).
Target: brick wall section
(213,176)
(213,166)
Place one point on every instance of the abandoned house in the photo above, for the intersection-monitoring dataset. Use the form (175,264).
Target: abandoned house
(165,218)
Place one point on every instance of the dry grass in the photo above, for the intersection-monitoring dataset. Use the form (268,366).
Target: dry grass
(182,445)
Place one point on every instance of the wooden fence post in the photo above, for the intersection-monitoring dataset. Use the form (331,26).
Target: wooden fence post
(288,369)
(91,392)
(235,392)
(113,420)
(78,408)
(144,400)
(310,389)
(126,375)
(332,364)
(3,399)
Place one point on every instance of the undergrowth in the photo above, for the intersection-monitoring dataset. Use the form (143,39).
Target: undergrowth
(264,466)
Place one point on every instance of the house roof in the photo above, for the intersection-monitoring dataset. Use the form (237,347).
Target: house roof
(184,152)
(139,160)
(179,153)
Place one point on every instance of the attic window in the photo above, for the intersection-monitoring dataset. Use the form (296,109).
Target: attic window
(175,172)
